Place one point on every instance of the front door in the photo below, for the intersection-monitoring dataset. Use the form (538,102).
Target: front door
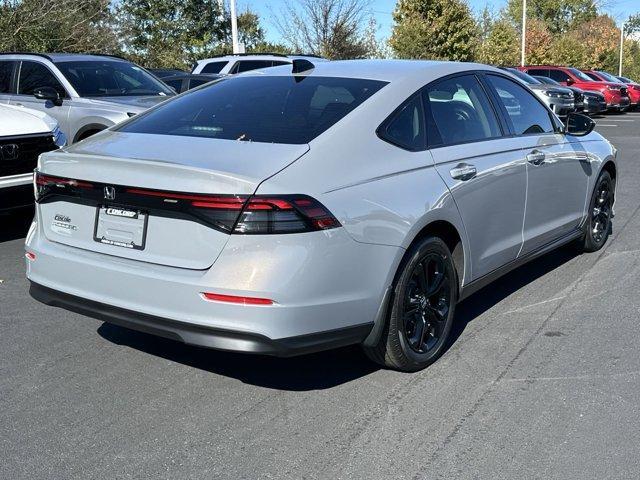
(557,174)
(33,75)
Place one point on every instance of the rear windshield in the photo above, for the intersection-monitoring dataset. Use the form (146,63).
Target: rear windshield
(270,109)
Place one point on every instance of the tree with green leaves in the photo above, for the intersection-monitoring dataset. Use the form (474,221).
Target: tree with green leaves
(500,45)
(434,29)
(559,16)
(57,26)
(166,33)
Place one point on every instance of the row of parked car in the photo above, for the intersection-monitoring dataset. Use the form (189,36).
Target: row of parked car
(47,100)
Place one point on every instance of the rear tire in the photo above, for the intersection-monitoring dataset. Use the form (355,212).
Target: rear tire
(598,224)
(421,310)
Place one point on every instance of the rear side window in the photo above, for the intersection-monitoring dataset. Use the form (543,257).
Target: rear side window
(213,67)
(270,109)
(6,75)
(247,65)
(460,111)
(527,114)
(175,84)
(405,127)
(34,75)
(539,72)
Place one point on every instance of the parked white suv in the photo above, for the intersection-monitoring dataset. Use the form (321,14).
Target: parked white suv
(84,93)
(24,135)
(242,62)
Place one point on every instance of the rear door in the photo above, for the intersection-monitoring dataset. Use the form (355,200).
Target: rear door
(7,80)
(33,75)
(483,169)
(557,175)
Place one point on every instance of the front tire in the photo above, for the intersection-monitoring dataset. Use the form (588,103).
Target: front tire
(421,311)
(598,226)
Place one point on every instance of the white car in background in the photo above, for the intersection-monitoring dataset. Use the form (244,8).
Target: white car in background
(242,62)
(24,135)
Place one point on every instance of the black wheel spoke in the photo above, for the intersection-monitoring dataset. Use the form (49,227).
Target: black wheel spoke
(427,303)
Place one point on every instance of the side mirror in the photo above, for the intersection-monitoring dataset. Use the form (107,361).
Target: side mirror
(48,93)
(569,82)
(578,125)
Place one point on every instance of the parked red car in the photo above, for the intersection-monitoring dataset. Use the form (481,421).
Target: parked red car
(615,93)
(633,89)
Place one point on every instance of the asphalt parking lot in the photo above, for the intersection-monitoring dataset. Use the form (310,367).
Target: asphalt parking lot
(543,381)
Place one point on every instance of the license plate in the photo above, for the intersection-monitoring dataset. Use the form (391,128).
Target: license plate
(121,227)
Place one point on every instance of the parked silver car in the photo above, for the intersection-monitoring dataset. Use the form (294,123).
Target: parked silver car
(84,93)
(559,99)
(282,213)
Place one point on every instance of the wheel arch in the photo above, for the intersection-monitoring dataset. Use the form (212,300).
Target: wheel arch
(88,130)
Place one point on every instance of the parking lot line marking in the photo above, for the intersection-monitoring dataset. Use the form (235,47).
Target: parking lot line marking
(622,120)
(605,125)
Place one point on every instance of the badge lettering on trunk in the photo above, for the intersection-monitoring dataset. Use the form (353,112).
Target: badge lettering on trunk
(119,212)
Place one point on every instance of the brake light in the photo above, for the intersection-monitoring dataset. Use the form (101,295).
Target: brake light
(266,214)
(45,184)
(216,297)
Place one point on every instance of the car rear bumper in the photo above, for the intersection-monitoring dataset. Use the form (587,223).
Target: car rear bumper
(202,336)
(321,282)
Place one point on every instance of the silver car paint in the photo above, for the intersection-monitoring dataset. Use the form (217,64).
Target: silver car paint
(383,196)
(78,114)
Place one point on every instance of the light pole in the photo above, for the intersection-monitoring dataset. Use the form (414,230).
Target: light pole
(234,26)
(524,30)
(621,46)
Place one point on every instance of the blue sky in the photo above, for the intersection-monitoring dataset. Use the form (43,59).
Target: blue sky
(381,9)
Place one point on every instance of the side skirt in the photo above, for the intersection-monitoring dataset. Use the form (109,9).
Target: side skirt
(485,280)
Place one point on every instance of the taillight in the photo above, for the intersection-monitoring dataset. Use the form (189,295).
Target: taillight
(265,214)
(46,184)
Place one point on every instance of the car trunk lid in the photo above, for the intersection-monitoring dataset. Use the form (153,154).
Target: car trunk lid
(142,196)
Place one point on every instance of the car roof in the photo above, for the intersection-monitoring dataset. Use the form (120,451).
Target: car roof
(67,57)
(201,76)
(384,70)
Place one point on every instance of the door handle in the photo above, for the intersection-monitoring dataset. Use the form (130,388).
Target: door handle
(463,171)
(536,157)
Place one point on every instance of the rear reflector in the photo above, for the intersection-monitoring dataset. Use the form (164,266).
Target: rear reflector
(216,297)
(30,256)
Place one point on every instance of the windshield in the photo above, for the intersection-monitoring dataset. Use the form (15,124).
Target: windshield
(270,109)
(525,77)
(580,75)
(608,76)
(111,79)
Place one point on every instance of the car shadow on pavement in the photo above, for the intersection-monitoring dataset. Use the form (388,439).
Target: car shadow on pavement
(307,372)
(481,301)
(324,369)
(15,224)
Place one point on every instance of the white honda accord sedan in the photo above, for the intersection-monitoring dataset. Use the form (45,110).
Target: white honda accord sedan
(306,207)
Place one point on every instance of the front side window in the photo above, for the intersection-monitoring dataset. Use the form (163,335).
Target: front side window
(213,67)
(405,127)
(270,109)
(34,75)
(559,76)
(527,114)
(108,78)
(461,111)
(6,75)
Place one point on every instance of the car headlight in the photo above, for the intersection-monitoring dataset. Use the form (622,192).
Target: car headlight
(59,138)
